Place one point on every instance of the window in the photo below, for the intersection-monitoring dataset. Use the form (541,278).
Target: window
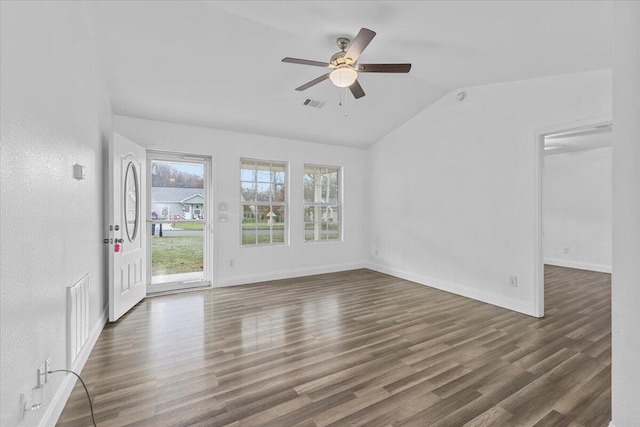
(321,203)
(263,202)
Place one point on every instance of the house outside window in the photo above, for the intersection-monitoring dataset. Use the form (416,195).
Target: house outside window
(263,199)
(322,203)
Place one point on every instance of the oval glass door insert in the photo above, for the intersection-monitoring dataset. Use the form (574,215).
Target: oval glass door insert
(131,193)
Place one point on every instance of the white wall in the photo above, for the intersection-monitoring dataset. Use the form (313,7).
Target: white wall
(626,216)
(267,262)
(577,209)
(55,113)
(453,189)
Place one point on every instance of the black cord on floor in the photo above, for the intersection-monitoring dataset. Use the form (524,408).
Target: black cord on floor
(85,389)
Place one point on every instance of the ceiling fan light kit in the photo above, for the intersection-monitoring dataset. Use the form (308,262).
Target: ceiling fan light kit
(343,76)
(345,64)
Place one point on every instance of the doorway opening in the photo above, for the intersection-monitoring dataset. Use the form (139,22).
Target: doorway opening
(179,221)
(573,226)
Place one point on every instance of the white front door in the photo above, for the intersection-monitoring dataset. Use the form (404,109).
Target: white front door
(127,230)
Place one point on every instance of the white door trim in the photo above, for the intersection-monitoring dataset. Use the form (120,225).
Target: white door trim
(538,160)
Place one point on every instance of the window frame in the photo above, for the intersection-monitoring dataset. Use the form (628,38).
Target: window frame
(271,203)
(339,203)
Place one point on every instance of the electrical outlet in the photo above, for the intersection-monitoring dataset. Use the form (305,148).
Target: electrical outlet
(513,281)
(232,263)
(566,250)
(47,368)
(375,252)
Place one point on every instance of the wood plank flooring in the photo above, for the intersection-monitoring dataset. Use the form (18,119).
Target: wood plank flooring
(353,348)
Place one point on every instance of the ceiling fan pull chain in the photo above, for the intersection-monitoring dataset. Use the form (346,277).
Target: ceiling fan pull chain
(346,103)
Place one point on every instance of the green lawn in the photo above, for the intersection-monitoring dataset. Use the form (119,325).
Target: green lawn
(311,226)
(262,238)
(188,226)
(173,255)
(261,226)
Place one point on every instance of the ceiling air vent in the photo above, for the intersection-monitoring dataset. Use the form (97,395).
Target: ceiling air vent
(312,103)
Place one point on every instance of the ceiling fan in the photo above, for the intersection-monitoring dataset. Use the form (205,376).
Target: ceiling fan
(345,64)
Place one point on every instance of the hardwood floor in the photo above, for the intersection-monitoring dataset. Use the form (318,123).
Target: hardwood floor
(353,348)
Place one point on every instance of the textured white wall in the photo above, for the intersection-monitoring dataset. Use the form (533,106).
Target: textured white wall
(626,216)
(577,209)
(55,113)
(453,190)
(268,262)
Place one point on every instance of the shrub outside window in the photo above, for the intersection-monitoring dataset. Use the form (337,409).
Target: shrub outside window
(263,202)
(322,203)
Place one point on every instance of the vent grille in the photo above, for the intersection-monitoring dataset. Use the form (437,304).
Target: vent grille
(77,319)
(312,103)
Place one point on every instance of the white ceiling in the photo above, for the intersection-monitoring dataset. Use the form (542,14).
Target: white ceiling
(218,64)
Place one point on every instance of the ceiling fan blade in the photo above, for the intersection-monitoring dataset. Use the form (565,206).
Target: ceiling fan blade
(305,62)
(358,44)
(356,90)
(384,68)
(313,82)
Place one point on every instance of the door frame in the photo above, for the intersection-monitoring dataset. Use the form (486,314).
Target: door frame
(538,160)
(209,266)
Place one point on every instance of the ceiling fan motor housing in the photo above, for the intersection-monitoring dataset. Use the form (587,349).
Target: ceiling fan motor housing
(338,59)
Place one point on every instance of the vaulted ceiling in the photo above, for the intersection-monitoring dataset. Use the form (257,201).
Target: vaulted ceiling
(218,64)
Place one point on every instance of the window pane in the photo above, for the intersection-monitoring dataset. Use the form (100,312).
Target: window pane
(311,213)
(263,192)
(333,194)
(332,226)
(249,237)
(277,224)
(247,172)
(277,171)
(309,231)
(263,224)
(248,191)
(278,193)
(333,186)
(264,172)
(249,234)
(309,186)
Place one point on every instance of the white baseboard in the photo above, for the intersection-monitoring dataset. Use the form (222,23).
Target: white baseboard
(54,409)
(462,290)
(288,274)
(602,268)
